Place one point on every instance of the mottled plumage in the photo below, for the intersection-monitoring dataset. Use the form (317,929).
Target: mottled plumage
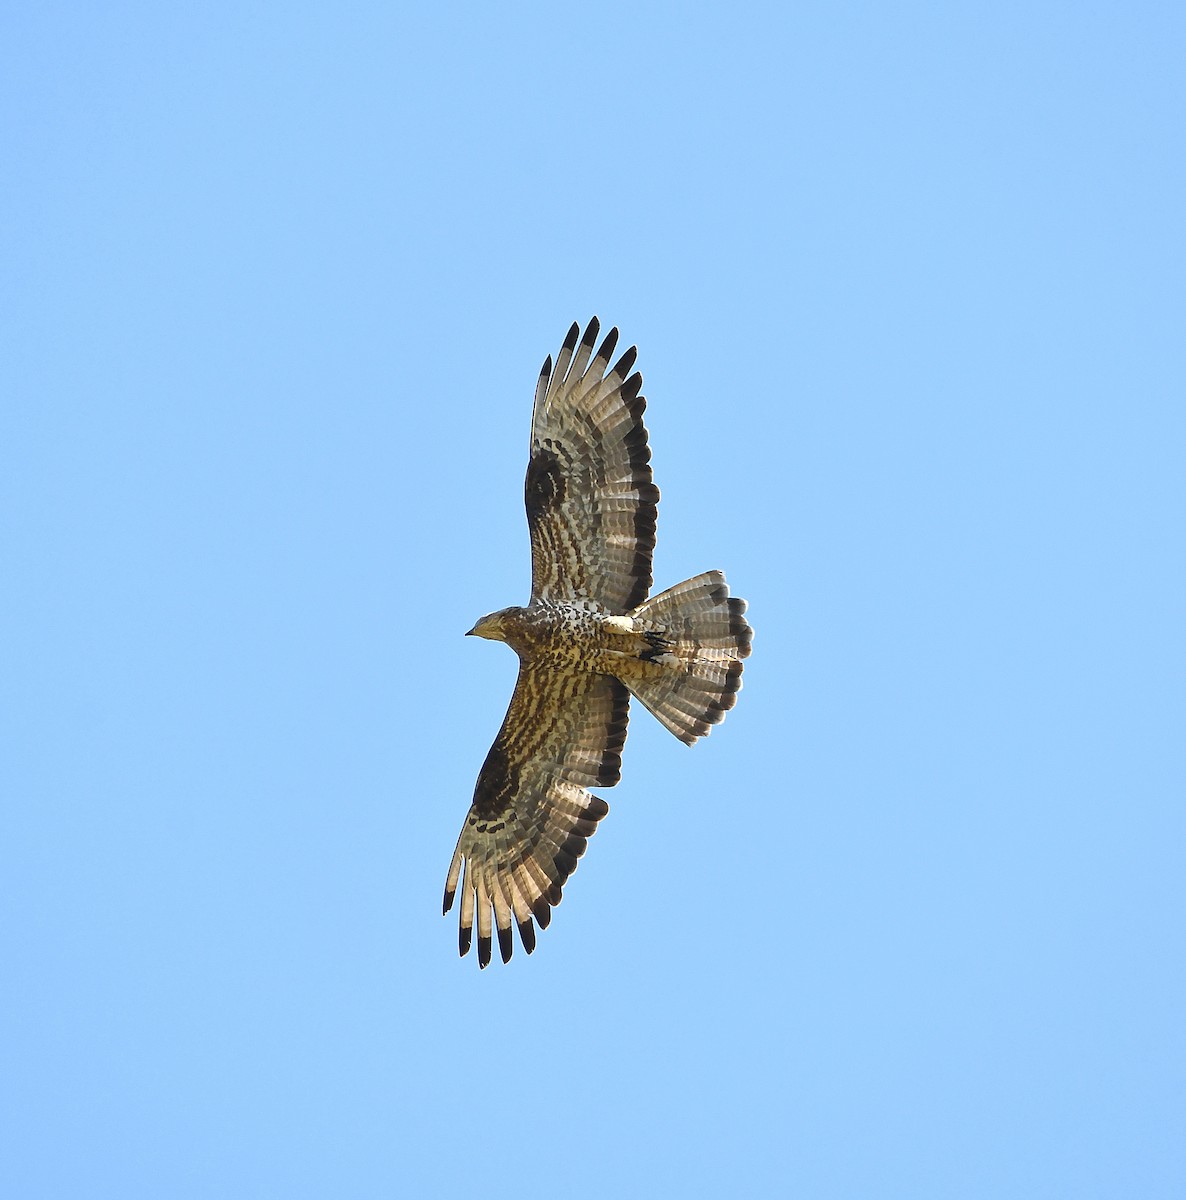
(586,642)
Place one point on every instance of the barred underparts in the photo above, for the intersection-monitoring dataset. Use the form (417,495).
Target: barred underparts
(588,640)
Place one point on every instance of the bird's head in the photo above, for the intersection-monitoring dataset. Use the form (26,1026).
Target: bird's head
(490,626)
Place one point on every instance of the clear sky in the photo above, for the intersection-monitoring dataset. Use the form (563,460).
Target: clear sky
(907,282)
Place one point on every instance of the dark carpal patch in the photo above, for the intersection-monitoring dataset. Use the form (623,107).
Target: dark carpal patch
(591,506)
(544,486)
(498,784)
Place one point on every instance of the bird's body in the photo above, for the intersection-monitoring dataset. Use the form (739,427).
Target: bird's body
(580,637)
(588,640)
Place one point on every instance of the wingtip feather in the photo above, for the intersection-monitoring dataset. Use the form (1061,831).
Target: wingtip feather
(506,944)
(527,935)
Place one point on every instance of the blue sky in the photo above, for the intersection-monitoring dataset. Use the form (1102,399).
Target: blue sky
(907,286)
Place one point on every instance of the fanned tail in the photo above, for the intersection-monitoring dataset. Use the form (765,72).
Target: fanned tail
(699,636)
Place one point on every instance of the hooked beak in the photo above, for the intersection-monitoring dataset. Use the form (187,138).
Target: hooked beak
(485,628)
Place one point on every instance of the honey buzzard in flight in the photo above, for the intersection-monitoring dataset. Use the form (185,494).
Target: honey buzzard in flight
(588,641)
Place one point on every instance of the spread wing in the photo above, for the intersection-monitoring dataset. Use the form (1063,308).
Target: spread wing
(531,817)
(591,502)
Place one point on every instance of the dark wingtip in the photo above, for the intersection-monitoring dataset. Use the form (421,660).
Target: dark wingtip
(622,369)
(564,861)
(483,951)
(527,935)
(591,332)
(465,937)
(570,339)
(546,369)
(506,944)
(630,396)
(449,894)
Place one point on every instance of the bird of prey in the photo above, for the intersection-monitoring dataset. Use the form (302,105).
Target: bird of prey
(588,641)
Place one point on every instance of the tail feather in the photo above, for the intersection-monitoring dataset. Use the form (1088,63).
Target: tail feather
(698,635)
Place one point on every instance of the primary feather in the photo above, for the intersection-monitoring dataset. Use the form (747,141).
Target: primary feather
(588,640)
